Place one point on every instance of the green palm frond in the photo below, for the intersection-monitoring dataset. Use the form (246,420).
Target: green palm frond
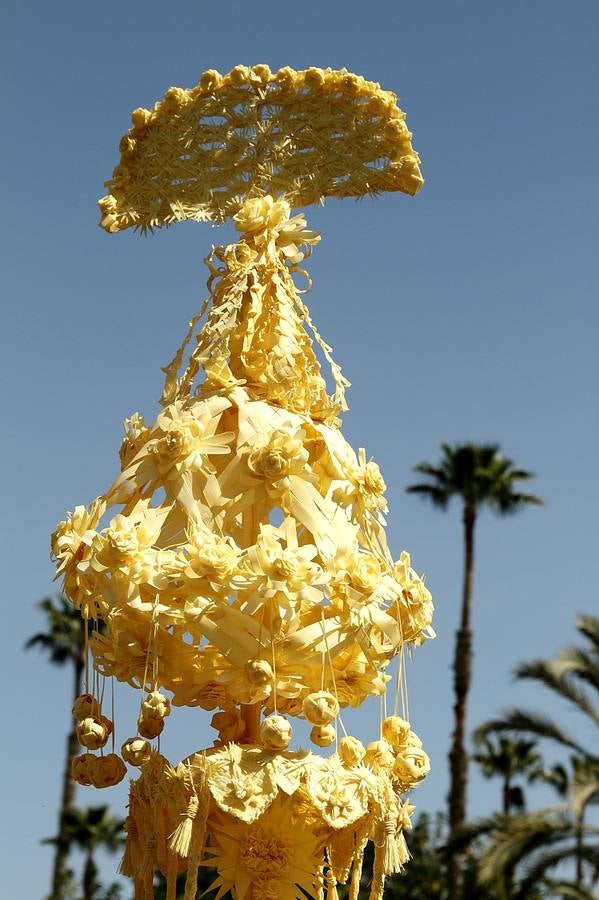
(506,756)
(486,760)
(437,497)
(64,636)
(529,722)
(94,827)
(547,860)
(589,626)
(435,472)
(557,777)
(515,838)
(520,475)
(549,675)
(575,661)
(508,502)
(568,891)
(585,784)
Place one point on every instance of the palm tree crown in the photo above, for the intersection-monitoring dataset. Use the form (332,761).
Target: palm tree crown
(508,758)
(91,829)
(477,473)
(95,827)
(64,637)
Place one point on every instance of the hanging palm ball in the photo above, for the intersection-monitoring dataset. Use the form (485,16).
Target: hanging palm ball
(239,562)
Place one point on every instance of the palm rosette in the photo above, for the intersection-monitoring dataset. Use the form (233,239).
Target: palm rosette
(239,561)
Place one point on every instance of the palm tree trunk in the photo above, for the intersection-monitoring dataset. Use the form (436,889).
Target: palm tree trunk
(507,796)
(462,672)
(89,875)
(59,872)
(508,876)
(579,846)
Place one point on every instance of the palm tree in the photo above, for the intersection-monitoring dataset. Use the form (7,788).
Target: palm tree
(508,758)
(570,675)
(522,850)
(574,677)
(64,641)
(91,829)
(479,475)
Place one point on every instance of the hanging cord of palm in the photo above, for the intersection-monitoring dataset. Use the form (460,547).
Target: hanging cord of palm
(239,561)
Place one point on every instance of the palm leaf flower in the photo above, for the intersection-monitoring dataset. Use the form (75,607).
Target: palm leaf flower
(239,561)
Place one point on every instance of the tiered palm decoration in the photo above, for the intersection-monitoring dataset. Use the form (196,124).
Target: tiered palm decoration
(239,560)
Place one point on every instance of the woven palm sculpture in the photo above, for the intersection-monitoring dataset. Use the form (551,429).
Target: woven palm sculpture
(239,562)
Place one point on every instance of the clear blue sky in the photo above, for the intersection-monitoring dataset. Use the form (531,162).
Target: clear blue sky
(468,312)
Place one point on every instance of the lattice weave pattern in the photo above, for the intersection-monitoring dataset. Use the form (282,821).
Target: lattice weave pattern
(200,153)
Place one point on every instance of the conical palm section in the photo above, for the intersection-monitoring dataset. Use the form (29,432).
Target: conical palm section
(239,560)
